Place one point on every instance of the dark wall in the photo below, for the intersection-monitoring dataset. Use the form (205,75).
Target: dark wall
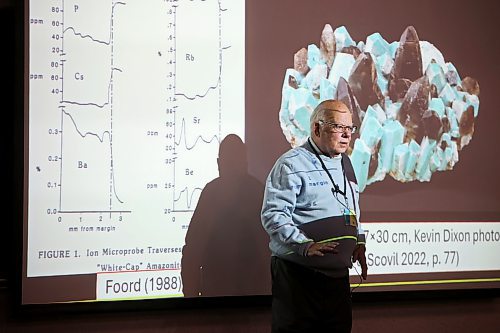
(7,135)
(450,314)
(453,314)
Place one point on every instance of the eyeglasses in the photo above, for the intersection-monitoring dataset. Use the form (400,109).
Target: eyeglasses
(338,128)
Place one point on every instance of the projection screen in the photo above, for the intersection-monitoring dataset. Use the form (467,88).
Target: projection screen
(151,127)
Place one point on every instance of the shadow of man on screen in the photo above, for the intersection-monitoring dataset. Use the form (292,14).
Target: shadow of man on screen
(226,249)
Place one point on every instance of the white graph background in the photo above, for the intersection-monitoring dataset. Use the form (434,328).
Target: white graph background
(125,123)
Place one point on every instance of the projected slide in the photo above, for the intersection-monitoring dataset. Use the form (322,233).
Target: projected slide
(152,125)
(416,115)
(128,103)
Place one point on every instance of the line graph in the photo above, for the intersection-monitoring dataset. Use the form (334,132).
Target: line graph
(205,66)
(78,103)
(183,138)
(189,197)
(125,126)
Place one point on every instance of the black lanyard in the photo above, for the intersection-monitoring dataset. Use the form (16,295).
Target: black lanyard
(335,189)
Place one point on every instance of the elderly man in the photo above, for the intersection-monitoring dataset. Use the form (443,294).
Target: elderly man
(311,213)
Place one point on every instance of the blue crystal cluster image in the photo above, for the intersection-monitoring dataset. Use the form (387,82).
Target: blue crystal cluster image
(414,110)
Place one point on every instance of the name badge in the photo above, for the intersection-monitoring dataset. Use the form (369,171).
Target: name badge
(350,217)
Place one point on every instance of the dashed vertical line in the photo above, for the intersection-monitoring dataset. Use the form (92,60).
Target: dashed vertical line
(111,109)
(220,73)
